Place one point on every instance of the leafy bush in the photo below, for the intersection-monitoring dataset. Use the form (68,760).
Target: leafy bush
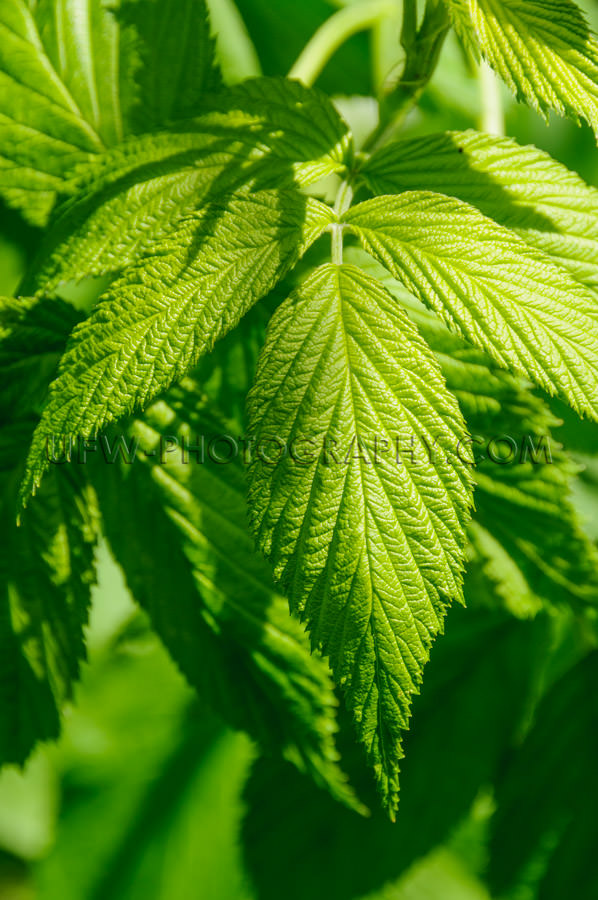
(275,347)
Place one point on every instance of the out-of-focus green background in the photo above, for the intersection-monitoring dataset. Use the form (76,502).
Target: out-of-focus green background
(144,796)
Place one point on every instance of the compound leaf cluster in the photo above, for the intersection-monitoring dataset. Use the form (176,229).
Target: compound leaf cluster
(195,201)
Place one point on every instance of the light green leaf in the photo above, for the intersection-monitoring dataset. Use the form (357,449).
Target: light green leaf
(526,545)
(507,298)
(179,531)
(368,549)
(543,49)
(522,188)
(264,133)
(526,536)
(303,123)
(461,22)
(42,130)
(156,321)
(127,201)
(84,43)
(67,85)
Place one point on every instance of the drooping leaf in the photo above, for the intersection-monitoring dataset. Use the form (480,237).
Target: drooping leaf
(164,313)
(505,297)
(33,335)
(368,547)
(176,524)
(46,573)
(522,188)
(543,49)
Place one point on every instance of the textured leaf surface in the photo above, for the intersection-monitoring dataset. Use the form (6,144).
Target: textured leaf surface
(526,544)
(77,76)
(265,133)
(84,44)
(303,123)
(522,188)
(526,533)
(505,297)
(543,49)
(461,22)
(178,529)
(42,130)
(127,201)
(370,552)
(163,314)
(46,564)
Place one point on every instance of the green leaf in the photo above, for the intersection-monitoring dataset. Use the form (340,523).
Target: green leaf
(264,133)
(369,550)
(512,301)
(76,78)
(526,532)
(461,22)
(226,374)
(93,59)
(126,202)
(47,570)
(522,188)
(178,530)
(527,548)
(543,49)
(156,321)
(33,335)
(42,130)
(176,53)
(46,563)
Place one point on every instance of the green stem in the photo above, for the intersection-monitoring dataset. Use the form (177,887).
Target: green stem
(385,50)
(334,32)
(342,203)
(236,51)
(492,117)
(422,49)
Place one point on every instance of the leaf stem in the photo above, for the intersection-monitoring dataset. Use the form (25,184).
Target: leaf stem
(342,203)
(492,118)
(334,32)
(238,56)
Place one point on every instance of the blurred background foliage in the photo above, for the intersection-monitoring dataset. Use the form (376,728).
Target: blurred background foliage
(147,796)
